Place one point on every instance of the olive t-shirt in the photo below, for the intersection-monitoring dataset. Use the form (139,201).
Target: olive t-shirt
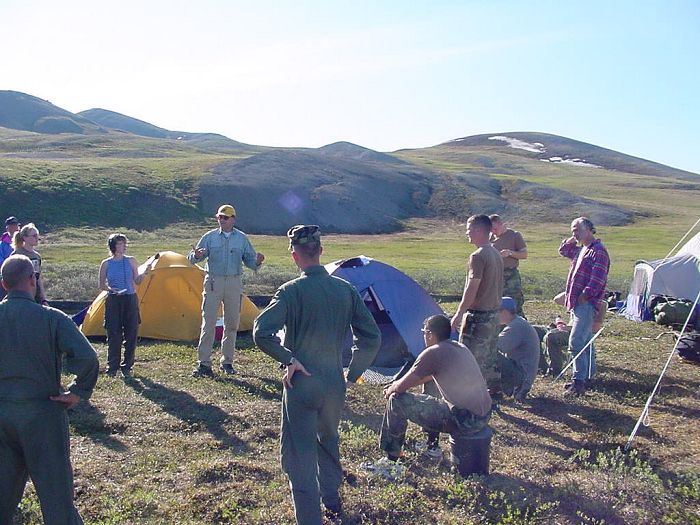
(486,264)
(456,374)
(510,240)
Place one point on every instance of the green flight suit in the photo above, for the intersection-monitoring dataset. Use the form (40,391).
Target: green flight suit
(34,440)
(316,310)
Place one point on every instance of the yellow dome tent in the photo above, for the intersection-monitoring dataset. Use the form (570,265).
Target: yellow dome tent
(170,300)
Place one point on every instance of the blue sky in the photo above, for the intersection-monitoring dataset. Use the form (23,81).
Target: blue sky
(385,75)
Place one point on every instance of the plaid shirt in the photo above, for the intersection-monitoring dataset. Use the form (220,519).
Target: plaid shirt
(590,277)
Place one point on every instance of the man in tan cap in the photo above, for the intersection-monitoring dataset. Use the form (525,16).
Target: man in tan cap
(226,250)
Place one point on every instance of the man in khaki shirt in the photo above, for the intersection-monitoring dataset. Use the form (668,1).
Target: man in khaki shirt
(477,314)
(512,247)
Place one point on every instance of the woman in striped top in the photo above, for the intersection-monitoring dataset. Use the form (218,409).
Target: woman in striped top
(119,275)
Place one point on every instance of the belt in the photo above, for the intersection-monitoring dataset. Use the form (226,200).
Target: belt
(482,311)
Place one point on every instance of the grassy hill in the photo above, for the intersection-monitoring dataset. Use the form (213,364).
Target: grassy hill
(27,113)
(118,122)
(124,172)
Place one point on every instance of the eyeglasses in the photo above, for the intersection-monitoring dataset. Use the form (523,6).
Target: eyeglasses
(425,331)
(223,217)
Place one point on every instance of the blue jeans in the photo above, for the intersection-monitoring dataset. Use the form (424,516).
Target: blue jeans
(581,333)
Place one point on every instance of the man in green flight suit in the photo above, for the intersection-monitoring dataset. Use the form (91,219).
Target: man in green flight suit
(316,310)
(34,441)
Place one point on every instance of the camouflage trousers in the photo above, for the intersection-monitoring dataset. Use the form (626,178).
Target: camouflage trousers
(513,287)
(556,348)
(433,414)
(512,378)
(480,334)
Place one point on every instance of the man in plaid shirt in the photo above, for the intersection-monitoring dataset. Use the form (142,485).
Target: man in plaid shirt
(585,287)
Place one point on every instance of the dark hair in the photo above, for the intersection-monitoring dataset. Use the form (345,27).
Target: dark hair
(480,221)
(439,326)
(113,239)
(309,250)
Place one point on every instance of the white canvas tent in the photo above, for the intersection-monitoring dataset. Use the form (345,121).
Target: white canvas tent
(677,276)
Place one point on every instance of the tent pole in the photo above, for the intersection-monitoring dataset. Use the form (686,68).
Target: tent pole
(682,239)
(589,343)
(645,413)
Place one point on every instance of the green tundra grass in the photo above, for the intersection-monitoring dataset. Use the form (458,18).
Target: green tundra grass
(165,448)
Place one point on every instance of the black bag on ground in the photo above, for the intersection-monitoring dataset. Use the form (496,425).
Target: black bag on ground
(689,348)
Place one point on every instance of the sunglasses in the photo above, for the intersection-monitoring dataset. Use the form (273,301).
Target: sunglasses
(223,217)
(425,331)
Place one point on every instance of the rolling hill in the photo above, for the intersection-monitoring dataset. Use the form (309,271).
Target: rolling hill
(117,170)
(27,113)
(118,122)
(562,150)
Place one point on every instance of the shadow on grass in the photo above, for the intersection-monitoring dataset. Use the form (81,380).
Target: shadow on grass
(87,420)
(568,503)
(616,379)
(186,408)
(270,389)
(588,417)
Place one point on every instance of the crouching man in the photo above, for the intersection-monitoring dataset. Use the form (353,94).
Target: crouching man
(465,404)
(518,351)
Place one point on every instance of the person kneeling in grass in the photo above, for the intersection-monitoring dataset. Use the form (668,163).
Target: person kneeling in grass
(465,405)
(518,351)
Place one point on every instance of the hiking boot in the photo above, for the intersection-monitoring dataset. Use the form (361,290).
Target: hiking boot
(227,369)
(429,450)
(203,371)
(575,389)
(334,513)
(496,394)
(386,468)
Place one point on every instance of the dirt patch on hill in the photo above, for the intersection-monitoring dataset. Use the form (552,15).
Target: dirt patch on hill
(274,190)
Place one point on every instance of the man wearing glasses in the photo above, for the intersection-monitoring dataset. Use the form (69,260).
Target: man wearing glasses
(464,404)
(226,250)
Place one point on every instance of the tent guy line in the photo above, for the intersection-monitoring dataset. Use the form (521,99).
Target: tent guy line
(644,416)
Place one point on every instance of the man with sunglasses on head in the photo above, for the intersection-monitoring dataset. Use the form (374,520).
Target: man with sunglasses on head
(226,250)
(462,403)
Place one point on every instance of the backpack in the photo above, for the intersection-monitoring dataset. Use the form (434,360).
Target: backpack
(689,348)
(674,312)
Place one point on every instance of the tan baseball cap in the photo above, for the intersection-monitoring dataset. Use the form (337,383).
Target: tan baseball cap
(226,210)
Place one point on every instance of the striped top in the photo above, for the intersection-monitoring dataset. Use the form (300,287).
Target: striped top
(120,275)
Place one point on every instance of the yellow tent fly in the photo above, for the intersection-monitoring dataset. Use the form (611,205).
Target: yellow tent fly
(170,300)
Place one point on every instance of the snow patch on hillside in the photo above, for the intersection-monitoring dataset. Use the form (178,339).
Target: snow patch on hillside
(534,147)
(573,162)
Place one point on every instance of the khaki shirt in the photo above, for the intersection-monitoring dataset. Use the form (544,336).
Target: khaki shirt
(317,311)
(487,264)
(510,240)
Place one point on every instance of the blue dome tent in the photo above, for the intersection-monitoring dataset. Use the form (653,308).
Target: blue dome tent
(398,303)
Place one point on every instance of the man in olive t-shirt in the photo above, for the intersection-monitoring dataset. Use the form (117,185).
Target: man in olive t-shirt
(477,317)
(511,245)
(465,405)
